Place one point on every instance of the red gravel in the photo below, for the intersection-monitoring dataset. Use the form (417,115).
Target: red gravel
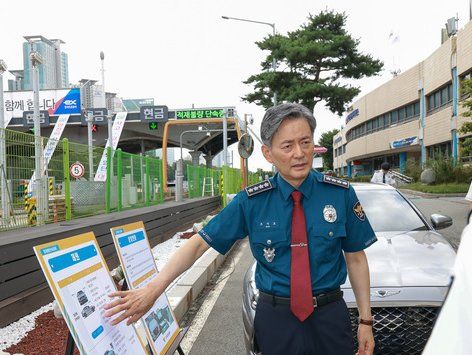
(48,337)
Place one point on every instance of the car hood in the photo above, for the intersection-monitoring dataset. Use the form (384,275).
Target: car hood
(402,259)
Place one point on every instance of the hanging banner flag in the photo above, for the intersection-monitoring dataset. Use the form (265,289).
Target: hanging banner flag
(118,124)
(80,281)
(56,135)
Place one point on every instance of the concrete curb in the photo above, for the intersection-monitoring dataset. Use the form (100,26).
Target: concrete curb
(187,289)
(431,195)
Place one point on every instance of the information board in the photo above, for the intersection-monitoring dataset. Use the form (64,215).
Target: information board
(80,281)
(139,269)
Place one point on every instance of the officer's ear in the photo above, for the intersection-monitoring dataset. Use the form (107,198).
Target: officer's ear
(266,152)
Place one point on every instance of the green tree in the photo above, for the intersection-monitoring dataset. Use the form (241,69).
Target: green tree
(466,89)
(326,140)
(311,63)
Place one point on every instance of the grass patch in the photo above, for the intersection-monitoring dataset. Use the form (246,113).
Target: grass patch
(448,188)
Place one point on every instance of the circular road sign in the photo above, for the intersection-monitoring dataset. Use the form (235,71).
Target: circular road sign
(245,146)
(77,170)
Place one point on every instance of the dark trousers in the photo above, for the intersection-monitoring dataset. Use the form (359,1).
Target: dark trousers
(326,331)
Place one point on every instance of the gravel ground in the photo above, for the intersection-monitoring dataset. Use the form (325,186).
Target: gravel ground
(42,333)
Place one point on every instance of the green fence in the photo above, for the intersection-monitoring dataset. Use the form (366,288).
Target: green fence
(231,182)
(203,181)
(131,181)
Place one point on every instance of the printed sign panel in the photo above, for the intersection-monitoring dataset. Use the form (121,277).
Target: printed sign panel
(56,102)
(80,282)
(139,267)
(406,142)
(154,113)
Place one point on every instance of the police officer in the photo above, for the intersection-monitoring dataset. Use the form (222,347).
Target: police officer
(299,224)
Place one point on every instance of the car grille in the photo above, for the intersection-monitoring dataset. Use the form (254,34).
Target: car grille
(399,330)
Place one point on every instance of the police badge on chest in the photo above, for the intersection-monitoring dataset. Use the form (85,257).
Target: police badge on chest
(269,254)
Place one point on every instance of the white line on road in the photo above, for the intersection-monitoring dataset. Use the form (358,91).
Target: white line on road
(200,318)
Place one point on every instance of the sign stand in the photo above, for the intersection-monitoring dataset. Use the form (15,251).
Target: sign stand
(173,348)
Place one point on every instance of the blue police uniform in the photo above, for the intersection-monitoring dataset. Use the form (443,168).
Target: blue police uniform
(335,222)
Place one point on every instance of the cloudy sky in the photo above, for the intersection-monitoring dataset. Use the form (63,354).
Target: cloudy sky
(182,53)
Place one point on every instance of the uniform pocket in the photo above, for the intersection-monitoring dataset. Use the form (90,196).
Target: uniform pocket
(327,240)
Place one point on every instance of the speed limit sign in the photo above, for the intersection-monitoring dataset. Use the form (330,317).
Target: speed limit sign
(77,170)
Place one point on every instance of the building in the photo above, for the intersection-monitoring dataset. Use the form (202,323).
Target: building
(414,116)
(54,71)
(87,89)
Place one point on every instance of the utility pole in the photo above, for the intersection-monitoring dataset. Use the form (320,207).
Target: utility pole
(3,169)
(39,188)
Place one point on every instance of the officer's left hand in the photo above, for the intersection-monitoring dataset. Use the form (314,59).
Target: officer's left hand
(366,340)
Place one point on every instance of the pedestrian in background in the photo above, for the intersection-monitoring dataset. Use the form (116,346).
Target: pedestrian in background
(307,231)
(384,175)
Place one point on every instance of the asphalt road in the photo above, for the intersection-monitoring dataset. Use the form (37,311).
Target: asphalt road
(454,207)
(222,331)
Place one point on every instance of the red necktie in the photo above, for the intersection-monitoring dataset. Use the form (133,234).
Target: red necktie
(301,298)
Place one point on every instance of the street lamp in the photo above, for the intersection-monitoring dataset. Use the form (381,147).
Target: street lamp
(3,177)
(39,188)
(273,32)
(104,98)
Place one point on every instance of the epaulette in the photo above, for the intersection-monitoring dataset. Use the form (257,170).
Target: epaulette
(335,181)
(258,188)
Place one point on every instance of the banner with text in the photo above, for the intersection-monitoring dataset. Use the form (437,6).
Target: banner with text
(118,124)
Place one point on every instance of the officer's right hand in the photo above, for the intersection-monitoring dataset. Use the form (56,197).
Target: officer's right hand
(133,304)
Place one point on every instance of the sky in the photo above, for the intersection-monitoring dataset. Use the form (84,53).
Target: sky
(182,53)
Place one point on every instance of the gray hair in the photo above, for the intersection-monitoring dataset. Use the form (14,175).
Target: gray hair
(275,115)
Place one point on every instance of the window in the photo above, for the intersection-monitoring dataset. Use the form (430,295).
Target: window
(381,122)
(449,91)
(375,124)
(387,119)
(394,117)
(444,96)
(369,126)
(416,108)
(437,99)
(401,114)
(409,111)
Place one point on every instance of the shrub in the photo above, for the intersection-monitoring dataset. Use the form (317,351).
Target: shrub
(443,169)
(413,170)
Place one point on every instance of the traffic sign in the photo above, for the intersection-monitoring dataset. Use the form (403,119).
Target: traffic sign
(153,126)
(77,170)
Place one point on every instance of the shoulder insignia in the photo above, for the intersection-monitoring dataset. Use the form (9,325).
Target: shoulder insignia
(335,181)
(258,188)
(359,211)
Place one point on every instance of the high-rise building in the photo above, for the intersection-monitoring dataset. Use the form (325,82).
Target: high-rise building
(54,71)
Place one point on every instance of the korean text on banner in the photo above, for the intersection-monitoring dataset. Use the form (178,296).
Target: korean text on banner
(118,124)
(56,135)
(80,282)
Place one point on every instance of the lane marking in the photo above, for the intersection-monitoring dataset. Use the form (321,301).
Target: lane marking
(200,318)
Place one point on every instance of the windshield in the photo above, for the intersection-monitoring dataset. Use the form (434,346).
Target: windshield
(388,211)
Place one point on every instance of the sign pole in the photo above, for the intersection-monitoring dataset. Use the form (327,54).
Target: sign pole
(90,148)
(3,178)
(39,190)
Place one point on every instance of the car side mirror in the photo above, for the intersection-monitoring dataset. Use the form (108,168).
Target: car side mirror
(440,222)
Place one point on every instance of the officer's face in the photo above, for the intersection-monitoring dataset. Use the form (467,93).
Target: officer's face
(292,150)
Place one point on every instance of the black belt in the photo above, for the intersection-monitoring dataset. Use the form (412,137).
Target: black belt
(318,301)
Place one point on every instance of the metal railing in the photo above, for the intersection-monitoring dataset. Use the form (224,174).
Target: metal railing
(132,181)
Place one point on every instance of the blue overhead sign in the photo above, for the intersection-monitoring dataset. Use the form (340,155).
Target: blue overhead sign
(68,105)
(406,142)
(352,115)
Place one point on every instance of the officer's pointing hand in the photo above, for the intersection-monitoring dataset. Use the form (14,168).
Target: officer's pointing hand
(133,304)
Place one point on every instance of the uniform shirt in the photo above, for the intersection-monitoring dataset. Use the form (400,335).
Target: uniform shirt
(378,178)
(267,218)
(453,328)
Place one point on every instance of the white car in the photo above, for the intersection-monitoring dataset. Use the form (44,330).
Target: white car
(410,267)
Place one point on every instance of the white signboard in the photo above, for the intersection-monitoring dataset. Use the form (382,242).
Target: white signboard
(16,102)
(118,124)
(56,135)
(139,268)
(80,281)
